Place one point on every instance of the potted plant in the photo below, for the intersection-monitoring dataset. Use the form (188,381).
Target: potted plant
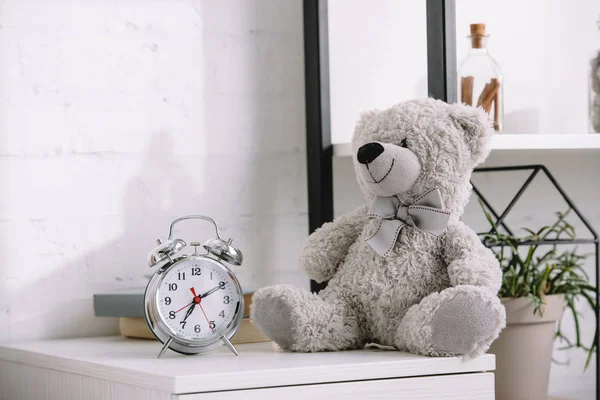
(536,288)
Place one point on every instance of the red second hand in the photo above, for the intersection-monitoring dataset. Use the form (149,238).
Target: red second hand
(202,308)
(183,307)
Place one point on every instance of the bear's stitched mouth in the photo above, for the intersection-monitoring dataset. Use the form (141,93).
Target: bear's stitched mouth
(385,176)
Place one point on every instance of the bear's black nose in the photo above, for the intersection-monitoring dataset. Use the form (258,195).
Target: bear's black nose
(369,152)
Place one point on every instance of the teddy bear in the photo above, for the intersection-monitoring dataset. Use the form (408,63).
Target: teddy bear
(403,270)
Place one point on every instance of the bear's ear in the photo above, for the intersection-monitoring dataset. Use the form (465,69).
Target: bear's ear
(365,117)
(477,130)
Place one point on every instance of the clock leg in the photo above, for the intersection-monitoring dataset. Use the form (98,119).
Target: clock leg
(165,347)
(230,345)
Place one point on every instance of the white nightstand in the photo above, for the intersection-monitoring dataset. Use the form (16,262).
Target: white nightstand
(117,368)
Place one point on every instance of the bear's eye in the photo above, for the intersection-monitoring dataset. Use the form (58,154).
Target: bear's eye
(404,143)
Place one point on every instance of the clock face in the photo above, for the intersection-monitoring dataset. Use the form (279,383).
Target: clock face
(198,299)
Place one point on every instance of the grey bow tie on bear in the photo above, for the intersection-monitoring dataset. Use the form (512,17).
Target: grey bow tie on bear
(426,214)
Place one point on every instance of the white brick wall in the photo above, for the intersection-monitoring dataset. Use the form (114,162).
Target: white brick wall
(119,116)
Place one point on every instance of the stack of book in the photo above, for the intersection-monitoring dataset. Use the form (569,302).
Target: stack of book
(128,306)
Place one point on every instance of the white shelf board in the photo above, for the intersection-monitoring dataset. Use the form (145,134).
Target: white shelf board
(520,142)
(259,365)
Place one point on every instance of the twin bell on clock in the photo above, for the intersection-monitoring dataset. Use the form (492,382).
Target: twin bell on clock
(194,303)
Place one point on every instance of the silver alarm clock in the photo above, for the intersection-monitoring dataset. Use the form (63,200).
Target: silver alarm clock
(193,302)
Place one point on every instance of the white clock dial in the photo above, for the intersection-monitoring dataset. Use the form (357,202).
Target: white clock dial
(197,299)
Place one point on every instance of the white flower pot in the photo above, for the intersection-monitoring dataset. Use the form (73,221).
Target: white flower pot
(524,349)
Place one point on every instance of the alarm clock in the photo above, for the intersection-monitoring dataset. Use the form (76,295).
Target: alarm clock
(193,302)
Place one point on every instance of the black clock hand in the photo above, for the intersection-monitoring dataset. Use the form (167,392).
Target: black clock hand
(211,291)
(189,312)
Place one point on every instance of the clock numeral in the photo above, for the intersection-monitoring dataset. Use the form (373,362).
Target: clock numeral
(222,285)
(195,271)
(172,287)
(222,314)
(197,328)
(212,325)
(181,276)
(183,324)
(226,300)
(211,275)
(171,314)
(167,300)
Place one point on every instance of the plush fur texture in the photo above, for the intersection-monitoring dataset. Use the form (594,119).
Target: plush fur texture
(433,294)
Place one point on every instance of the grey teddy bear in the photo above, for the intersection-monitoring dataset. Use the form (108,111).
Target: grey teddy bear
(403,271)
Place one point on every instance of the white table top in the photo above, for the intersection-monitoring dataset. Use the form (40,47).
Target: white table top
(258,365)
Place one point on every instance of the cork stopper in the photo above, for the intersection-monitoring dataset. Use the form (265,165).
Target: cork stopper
(477,35)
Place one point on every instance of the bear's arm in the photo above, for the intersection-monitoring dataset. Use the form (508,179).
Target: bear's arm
(469,261)
(326,247)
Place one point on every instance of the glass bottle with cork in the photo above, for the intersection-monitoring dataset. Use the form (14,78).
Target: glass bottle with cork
(480,80)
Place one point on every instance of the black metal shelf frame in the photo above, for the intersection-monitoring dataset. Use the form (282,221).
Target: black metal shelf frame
(442,85)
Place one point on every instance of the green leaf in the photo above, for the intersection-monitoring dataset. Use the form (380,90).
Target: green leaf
(576,321)
(488,216)
(591,351)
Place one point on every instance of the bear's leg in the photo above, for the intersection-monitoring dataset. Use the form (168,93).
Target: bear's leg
(298,320)
(461,320)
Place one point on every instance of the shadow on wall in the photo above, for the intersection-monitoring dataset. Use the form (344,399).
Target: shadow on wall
(150,194)
(248,174)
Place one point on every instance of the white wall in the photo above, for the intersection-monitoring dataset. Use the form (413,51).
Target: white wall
(378,57)
(116,117)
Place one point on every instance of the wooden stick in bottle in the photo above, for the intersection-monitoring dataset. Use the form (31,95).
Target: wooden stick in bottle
(487,95)
(466,90)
